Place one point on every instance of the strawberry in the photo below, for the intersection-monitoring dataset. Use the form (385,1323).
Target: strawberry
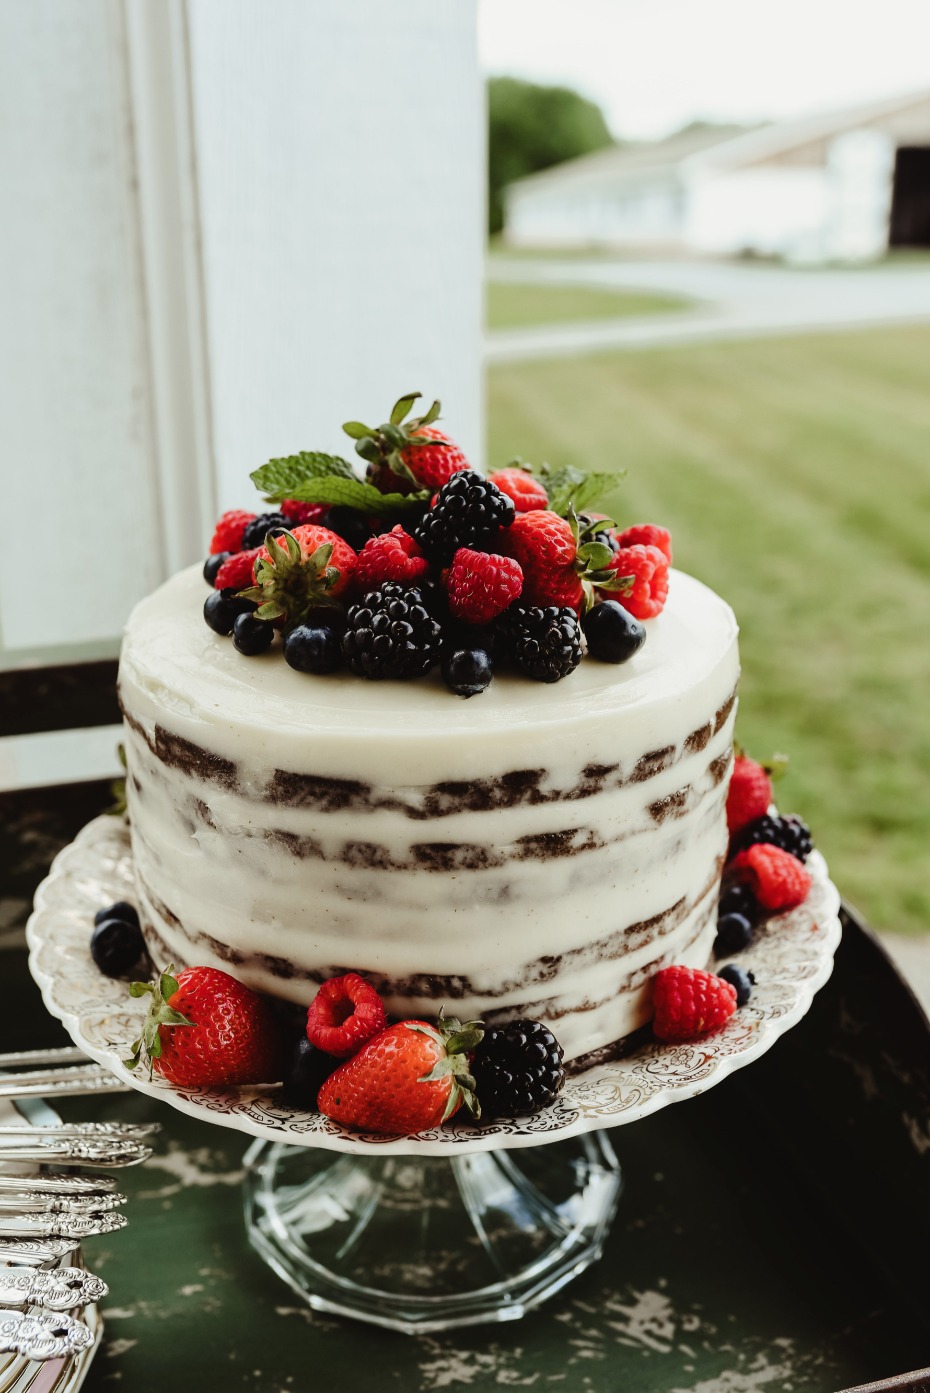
(646,534)
(481,585)
(641,577)
(205,1029)
(392,555)
(689,1003)
(297,512)
(559,561)
(345,1014)
(407,455)
(305,568)
(229,530)
(778,880)
(408,1079)
(750,791)
(236,571)
(527,493)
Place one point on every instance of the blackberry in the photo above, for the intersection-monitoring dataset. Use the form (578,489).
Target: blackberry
(468,511)
(517,1069)
(605,537)
(789,833)
(257,530)
(391,633)
(545,643)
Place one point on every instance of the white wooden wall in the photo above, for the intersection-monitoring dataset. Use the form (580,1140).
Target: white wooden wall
(225,227)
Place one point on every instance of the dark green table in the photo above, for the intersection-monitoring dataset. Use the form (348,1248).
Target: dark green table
(773,1235)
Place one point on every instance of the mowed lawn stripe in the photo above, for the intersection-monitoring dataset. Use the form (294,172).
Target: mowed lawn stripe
(795,475)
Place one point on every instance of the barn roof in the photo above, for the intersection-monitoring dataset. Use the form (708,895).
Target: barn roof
(622,160)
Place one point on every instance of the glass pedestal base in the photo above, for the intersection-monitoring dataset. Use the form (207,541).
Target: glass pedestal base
(424,1243)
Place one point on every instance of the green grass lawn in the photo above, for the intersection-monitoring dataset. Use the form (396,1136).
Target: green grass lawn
(795,476)
(510,306)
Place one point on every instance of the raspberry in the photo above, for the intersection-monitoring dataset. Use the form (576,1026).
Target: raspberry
(749,794)
(690,1003)
(236,572)
(791,833)
(648,592)
(393,555)
(297,512)
(344,1015)
(391,633)
(517,1069)
(776,878)
(481,585)
(545,643)
(527,493)
(545,547)
(646,534)
(468,512)
(229,530)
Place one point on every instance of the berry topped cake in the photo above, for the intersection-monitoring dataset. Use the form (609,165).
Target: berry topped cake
(461,734)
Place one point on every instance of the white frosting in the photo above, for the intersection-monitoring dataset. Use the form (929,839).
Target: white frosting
(363,892)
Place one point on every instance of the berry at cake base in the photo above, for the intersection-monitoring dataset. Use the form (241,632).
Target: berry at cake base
(538,850)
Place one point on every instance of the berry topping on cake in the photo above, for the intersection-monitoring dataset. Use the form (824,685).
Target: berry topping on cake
(237,571)
(517,1069)
(305,1073)
(646,534)
(790,833)
(303,568)
(611,632)
(740,980)
(545,642)
(690,1003)
(351,526)
(229,531)
(469,511)
(297,512)
(404,455)
(205,1029)
(252,636)
(641,575)
(212,565)
(345,1014)
(392,555)
(313,648)
(116,944)
(736,898)
(222,608)
(391,633)
(561,561)
(411,1077)
(734,933)
(122,909)
(467,671)
(777,879)
(750,791)
(257,530)
(481,585)
(527,493)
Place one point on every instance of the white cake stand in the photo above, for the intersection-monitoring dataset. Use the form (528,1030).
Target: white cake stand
(449,1227)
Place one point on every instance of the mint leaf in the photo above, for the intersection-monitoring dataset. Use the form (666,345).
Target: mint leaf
(568,486)
(279,477)
(353,493)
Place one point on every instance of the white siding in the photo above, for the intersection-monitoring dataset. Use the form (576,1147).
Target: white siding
(771,210)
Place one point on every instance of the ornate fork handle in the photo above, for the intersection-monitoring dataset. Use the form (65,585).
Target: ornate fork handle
(42,1337)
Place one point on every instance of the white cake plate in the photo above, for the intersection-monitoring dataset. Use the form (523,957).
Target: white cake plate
(387,1205)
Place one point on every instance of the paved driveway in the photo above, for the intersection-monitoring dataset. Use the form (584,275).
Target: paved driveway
(731,301)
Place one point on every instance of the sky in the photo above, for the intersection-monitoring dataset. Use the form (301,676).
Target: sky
(654,65)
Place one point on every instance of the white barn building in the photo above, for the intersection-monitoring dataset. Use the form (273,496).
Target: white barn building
(841,186)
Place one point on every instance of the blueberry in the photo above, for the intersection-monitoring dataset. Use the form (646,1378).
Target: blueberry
(739,899)
(311,649)
(251,635)
(734,933)
(213,564)
(307,1071)
(326,617)
(222,608)
(350,525)
(612,633)
(117,947)
(739,978)
(121,910)
(467,671)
